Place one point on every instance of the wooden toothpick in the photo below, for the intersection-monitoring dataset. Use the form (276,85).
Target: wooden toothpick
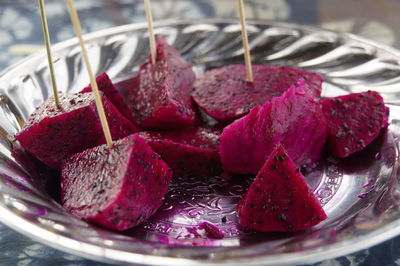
(245,40)
(46,37)
(99,104)
(152,40)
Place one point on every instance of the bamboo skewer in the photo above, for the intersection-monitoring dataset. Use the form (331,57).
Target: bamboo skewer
(245,40)
(100,109)
(46,37)
(152,41)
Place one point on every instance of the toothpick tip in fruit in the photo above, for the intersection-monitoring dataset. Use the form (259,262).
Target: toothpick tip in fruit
(152,40)
(46,37)
(245,41)
(99,104)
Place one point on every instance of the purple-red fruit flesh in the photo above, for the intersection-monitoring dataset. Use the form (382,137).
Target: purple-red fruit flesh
(295,119)
(118,187)
(51,134)
(355,120)
(162,98)
(105,85)
(188,151)
(279,199)
(224,93)
(211,230)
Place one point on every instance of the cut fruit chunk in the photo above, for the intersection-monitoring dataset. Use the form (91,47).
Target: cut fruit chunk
(188,151)
(279,199)
(105,85)
(116,187)
(295,119)
(162,99)
(224,93)
(355,120)
(52,134)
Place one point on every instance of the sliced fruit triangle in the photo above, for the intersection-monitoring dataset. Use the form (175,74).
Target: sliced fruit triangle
(279,199)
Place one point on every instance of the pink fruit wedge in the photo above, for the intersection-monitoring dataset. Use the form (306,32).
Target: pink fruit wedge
(188,151)
(52,134)
(162,98)
(105,85)
(295,119)
(224,93)
(279,199)
(355,120)
(116,188)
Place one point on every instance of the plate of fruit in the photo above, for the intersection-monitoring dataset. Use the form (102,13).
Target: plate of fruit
(298,166)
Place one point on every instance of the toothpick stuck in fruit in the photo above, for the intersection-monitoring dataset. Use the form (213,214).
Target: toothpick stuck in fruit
(100,109)
(46,37)
(152,40)
(245,40)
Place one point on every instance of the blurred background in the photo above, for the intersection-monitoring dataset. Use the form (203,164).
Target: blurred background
(20,35)
(20,30)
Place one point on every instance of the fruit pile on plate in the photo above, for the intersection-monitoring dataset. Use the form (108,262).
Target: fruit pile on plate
(165,122)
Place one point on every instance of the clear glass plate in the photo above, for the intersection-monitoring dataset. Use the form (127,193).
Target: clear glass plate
(360,194)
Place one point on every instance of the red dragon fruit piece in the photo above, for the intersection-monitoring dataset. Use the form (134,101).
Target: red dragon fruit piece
(295,119)
(116,188)
(211,231)
(224,93)
(279,199)
(52,134)
(105,85)
(188,151)
(162,100)
(355,120)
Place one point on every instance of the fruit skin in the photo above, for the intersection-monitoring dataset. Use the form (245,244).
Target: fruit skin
(161,98)
(224,94)
(105,85)
(188,151)
(295,119)
(51,134)
(279,199)
(116,188)
(355,120)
